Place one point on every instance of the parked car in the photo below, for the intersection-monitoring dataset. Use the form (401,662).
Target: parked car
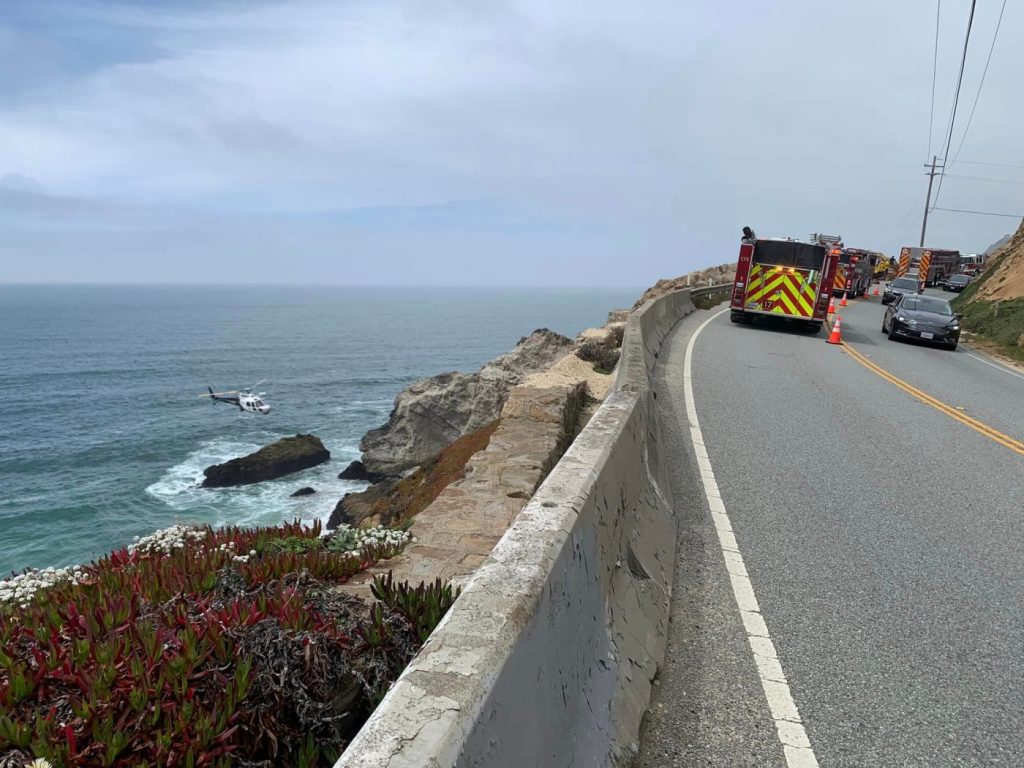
(956,283)
(899,287)
(924,318)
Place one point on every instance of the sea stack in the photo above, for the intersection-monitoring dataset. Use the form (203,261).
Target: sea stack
(287,455)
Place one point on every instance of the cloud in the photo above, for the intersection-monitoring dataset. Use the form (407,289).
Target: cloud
(630,140)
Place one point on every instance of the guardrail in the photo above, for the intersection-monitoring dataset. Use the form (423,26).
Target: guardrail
(547,657)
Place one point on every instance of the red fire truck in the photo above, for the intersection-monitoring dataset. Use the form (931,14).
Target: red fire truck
(787,279)
(854,273)
(942,264)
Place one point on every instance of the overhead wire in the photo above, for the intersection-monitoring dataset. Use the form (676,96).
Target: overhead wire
(977,96)
(982,213)
(985,178)
(994,165)
(956,96)
(935,69)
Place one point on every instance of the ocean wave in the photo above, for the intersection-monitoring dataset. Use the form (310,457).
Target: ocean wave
(266,503)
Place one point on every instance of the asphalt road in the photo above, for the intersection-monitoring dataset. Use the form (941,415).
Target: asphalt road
(883,540)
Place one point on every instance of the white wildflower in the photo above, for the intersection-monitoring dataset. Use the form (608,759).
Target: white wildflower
(166,541)
(19,590)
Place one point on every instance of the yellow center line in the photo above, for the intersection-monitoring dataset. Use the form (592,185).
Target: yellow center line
(992,434)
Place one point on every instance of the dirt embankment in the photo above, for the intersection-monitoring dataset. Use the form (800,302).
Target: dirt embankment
(993,305)
(1005,278)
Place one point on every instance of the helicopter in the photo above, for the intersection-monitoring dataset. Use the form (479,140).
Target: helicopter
(245,399)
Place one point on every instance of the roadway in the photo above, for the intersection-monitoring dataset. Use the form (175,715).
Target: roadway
(882,539)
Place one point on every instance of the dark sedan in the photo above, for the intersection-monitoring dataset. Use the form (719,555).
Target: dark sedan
(956,283)
(899,287)
(922,318)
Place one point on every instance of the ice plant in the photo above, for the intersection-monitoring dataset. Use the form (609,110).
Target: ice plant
(197,647)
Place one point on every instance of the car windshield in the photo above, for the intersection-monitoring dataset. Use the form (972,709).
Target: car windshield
(959,279)
(926,304)
(905,283)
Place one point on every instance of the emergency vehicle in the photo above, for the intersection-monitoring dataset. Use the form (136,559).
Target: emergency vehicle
(939,264)
(854,273)
(787,279)
(882,265)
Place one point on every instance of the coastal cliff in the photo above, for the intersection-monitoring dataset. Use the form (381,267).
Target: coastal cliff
(432,412)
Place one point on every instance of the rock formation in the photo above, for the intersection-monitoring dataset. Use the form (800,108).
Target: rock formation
(394,500)
(702,278)
(433,412)
(287,455)
(356,470)
(307,491)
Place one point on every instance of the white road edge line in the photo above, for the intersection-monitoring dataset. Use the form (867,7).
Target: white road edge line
(996,366)
(795,744)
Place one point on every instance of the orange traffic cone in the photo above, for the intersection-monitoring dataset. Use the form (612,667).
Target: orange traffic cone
(876,290)
(836,336)
(843,302)
(831,306)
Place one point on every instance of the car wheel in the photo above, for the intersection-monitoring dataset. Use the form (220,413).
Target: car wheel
(952,347)
(892,332)
(883,326)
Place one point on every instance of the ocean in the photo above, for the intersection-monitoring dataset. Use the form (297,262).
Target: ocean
(103,437)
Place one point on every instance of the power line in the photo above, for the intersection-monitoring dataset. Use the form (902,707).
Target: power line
(982,213)
(985,178)
(982,83)
(956,96)
(935,69)
(994,165)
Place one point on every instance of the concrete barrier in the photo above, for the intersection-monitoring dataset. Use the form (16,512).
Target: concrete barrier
(547,657)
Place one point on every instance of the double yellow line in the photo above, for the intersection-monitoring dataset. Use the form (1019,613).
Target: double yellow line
(992,434)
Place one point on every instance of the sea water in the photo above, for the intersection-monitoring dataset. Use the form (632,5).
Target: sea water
(103,437)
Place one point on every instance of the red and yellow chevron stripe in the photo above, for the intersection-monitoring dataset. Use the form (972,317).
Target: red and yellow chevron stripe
(781,290)
(924,266)
(839,282)
(904,263)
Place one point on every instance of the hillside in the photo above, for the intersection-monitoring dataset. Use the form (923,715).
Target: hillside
(993,306)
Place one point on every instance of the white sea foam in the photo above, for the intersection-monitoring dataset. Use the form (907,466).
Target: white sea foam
(266,503)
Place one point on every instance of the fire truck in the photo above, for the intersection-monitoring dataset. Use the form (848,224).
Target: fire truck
(940,264)
(854,273)
(786,279)
(882,266)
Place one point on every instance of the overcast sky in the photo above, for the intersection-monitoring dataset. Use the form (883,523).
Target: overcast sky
(513,142)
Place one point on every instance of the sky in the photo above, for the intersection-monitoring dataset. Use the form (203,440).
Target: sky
(511,142)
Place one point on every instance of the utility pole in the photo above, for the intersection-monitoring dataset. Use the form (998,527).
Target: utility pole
(928,201)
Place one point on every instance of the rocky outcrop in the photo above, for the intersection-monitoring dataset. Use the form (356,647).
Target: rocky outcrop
(307,491)
(393,501)
(455,532)
(287,455)
(433,412)
(356,470)
(724,273)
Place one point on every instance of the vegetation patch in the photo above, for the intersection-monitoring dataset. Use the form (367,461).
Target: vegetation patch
(603,355)
(998,322)
(709,300)
(201,647)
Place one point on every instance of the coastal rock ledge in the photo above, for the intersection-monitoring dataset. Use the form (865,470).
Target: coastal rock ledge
(431,413)
(287,455)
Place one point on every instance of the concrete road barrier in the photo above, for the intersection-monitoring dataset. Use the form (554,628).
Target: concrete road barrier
(547,657)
